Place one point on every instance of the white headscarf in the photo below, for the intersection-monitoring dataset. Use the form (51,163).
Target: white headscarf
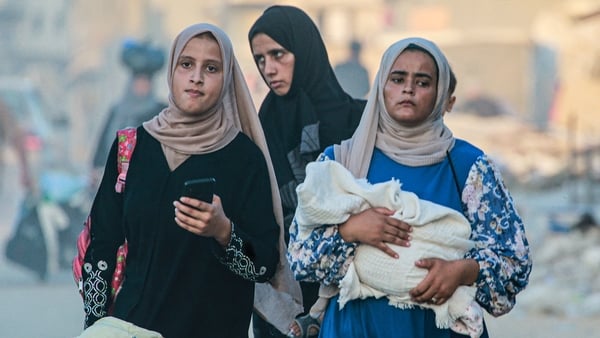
(424,144)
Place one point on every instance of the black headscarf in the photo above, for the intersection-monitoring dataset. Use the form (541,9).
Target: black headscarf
(315,113)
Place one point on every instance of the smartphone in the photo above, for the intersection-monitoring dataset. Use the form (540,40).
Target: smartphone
(201,189)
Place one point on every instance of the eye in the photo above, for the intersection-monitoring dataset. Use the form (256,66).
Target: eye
(185,64)
(279,54)
(423,83)
(260,60)
(212,68)
(397,79)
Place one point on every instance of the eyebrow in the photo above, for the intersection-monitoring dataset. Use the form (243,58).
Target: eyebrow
(272,51)
(405,73)
(185,57)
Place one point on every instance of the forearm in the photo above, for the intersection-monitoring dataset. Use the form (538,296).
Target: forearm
(323,257)
(468,271)
(246,259)
(501,247)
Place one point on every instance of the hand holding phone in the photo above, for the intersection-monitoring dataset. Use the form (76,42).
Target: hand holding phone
(201,189)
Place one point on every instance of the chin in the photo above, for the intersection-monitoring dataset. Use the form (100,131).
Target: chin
(280,92)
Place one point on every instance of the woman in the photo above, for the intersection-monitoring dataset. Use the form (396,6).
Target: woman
(402,136)
(305,110)
(191,265)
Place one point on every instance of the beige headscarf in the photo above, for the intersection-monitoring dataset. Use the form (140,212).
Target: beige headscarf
(182,135)
(415,146)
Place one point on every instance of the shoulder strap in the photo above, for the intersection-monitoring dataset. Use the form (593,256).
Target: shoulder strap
(126,139)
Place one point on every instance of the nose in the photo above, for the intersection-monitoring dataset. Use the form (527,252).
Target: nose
(408,88)
(197,76)
(270,67)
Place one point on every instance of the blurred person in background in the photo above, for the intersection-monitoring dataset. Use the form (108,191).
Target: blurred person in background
(402,136)
(13,134)
(351,73)
(305,111)
(139,102)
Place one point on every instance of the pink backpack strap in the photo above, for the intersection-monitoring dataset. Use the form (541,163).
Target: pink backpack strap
(126,139)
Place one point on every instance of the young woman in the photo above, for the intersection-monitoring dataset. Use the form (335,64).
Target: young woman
(402,136)
(305,111)
(192,265)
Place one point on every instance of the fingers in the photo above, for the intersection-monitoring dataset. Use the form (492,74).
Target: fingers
(201,218)
(425,263)
(376,227)
(396,232)
(385,248)
(430,296)
(383,211)
(396,239)
(194,203)
(188,215)
(187,226)
(437,301)
(398,225)
(437,286)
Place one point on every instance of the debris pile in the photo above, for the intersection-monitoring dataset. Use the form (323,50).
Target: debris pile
(565,279)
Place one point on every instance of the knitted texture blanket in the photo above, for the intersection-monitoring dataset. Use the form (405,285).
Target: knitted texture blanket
(330,195)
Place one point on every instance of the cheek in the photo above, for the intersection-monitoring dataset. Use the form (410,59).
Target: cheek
(432,99)
(178,81)
(289,70)
(388,96)
(216,88)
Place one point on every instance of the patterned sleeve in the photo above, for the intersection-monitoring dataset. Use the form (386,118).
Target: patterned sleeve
(323,257)
(502,249)
(238,262)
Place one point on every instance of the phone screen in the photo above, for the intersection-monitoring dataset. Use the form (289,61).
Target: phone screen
(201,189)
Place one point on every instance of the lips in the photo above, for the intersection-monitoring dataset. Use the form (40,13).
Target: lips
(194,93)
(276,84)
(406,103)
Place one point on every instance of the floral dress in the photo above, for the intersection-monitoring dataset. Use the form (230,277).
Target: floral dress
(467,181)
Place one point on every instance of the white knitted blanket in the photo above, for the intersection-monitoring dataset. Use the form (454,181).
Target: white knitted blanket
(330,194)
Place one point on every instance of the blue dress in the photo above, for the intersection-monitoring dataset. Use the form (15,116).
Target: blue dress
(466,181)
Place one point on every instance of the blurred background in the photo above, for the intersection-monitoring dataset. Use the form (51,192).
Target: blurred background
(528,94)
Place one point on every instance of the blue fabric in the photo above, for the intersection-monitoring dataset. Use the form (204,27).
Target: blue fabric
(374,317)
(435,182)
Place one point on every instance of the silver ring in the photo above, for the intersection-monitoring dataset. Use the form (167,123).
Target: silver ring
(434,300)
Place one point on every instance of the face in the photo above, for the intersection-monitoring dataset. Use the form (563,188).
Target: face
(410,90)
(198,76)
(275,63)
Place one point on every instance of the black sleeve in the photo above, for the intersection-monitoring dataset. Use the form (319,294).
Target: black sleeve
(252,252)
(106,235)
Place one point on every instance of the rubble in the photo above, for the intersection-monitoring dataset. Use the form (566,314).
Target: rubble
(562,228)
(525,155)
(565,278)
